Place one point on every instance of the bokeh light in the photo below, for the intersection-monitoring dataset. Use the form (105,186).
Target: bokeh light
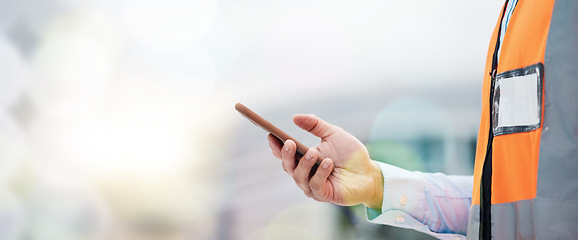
(426,145)
(401,119)
(75,63)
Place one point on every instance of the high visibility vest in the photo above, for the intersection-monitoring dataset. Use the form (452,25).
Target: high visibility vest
(526,170)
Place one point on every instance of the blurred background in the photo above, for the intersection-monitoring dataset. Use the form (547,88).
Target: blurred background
(117,118)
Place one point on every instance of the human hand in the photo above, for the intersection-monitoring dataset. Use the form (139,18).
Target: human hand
(347,176)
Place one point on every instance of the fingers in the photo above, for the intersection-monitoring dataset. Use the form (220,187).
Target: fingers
(314,125)
(285,152)
(303,170)
(275,144)
(288,157)
(314,186)
(318,183)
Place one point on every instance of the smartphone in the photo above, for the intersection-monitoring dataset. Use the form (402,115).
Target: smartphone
(271,128)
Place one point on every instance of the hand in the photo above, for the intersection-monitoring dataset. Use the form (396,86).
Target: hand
(347,176)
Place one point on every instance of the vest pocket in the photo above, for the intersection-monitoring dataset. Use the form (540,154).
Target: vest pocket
(517,100)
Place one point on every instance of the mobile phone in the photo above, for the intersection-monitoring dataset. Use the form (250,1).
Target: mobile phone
(271,128)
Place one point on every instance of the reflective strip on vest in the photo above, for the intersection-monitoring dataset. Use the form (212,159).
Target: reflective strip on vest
(534,180)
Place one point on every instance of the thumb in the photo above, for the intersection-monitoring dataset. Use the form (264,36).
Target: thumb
(314,125)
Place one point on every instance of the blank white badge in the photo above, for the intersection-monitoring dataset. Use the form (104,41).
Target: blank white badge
(517,100)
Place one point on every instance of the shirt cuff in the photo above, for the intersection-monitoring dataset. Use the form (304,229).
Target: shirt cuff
(402,190)
(404,204)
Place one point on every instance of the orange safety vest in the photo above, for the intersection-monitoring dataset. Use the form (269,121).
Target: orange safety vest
(526,169)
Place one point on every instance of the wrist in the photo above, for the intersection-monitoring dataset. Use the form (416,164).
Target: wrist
(376,187)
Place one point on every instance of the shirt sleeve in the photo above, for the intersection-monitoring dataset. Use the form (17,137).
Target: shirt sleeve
(432,203)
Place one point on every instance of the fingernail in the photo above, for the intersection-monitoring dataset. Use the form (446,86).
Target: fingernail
(309,156)
(326,164)
(286,148)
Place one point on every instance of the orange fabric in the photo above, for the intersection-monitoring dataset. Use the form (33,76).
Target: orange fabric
(485,120)
(514,156)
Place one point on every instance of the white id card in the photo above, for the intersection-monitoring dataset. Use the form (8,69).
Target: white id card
(517,100)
